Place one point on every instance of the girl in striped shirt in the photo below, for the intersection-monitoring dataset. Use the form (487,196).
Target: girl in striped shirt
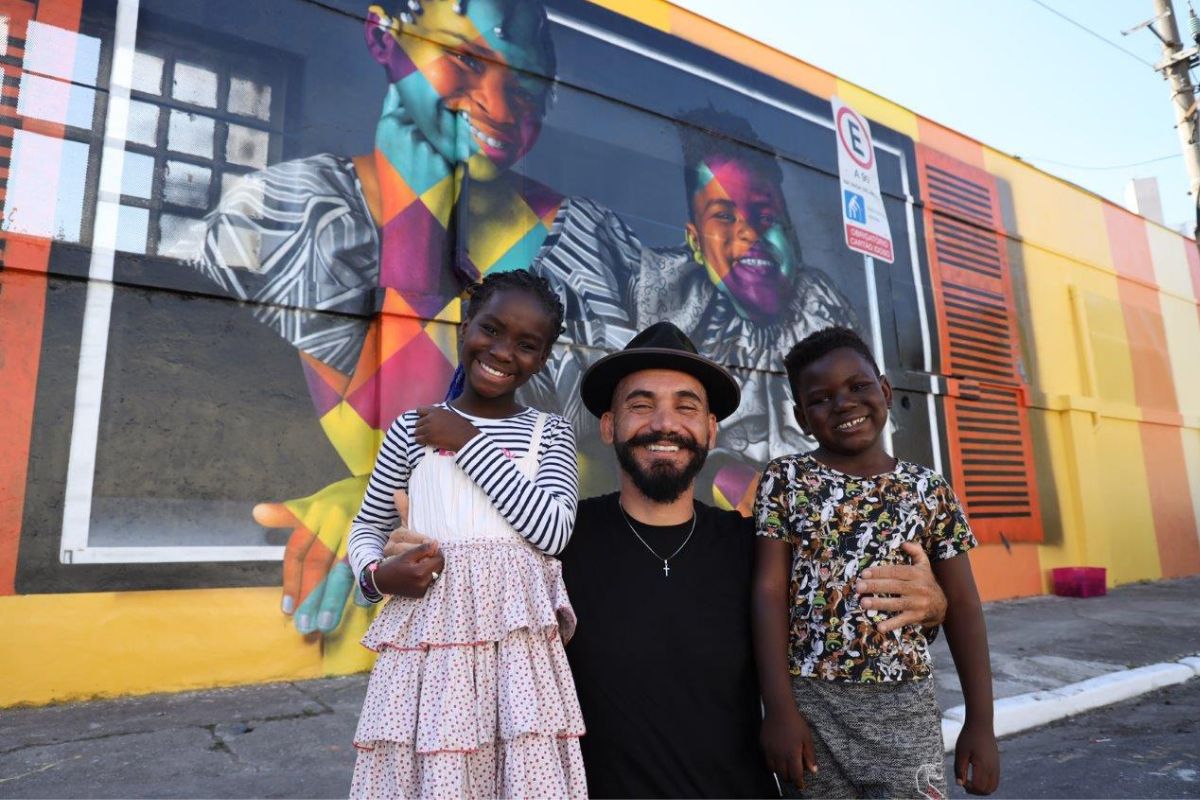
(471,694)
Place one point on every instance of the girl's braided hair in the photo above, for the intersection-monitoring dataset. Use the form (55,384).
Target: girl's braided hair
(517,280)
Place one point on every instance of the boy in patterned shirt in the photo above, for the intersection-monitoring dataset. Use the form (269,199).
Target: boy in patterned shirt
(850,709)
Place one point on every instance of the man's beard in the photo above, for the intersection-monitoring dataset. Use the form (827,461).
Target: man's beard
(663,482)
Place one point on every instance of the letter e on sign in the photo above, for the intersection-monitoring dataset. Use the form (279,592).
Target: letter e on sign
(855,137)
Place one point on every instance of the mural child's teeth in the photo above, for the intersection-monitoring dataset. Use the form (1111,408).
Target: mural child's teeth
(851,424)
(490,141)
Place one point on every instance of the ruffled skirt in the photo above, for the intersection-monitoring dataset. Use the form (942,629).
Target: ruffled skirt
(471,695)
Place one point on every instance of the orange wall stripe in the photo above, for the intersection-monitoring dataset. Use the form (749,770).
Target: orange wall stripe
(1154,385)
(1154,388)
(22,303)
(727,42)
(23,268)
(1171,500)
(952,143)
(1192,249)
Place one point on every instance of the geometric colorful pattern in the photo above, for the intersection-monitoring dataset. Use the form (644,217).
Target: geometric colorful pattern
(430,247)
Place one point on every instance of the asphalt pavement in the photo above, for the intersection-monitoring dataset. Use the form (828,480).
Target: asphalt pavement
(1145,747)
(294,739)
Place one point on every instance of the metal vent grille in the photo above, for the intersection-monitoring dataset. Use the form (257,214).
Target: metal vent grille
(993,447)
(986,419)
(959,195)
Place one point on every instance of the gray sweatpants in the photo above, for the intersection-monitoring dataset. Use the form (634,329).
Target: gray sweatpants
(872,739)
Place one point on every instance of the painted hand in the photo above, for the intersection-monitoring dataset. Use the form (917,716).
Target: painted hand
(410,152)
(915,597)
(316,578)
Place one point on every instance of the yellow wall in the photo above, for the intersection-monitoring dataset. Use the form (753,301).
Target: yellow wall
(76,646)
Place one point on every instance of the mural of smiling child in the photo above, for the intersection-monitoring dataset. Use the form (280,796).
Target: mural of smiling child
(312,241)
(739,289)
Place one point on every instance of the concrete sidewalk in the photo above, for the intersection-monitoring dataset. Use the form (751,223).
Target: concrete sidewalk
(293,739)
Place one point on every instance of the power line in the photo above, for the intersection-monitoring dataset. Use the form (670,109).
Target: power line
(1091,32)
(1114,166)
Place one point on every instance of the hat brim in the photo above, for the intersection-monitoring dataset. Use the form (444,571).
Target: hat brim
(601,378)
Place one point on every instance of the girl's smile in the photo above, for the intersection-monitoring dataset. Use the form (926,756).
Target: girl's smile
(503,345)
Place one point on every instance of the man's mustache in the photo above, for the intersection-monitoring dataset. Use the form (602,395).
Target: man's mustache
(677,439)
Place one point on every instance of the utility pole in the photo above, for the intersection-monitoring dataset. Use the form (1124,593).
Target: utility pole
(1175,66)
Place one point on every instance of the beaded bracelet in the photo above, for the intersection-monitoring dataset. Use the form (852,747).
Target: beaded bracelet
(366,582)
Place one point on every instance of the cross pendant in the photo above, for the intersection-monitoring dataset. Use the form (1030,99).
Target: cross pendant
(666,568)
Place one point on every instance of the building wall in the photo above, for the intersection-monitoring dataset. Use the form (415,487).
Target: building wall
(156,414)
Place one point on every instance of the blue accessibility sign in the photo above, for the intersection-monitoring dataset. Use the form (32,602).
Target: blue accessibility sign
(856,206)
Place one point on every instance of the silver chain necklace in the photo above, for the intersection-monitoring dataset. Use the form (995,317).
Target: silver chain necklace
(666,561)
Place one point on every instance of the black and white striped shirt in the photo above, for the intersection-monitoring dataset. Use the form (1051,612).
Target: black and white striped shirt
(541,510)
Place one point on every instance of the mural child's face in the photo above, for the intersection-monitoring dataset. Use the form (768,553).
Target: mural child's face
(468,81)
(740,228)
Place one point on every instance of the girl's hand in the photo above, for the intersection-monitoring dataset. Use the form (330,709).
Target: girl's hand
(443,429)
(977,751)
(412,573)
(787,743)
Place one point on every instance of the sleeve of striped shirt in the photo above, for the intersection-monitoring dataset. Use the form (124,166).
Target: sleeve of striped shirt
(541,510)
(377,518)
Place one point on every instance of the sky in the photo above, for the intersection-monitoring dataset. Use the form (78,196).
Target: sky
(1012,74)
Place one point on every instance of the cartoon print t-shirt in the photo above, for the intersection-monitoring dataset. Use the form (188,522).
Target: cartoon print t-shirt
(838,525)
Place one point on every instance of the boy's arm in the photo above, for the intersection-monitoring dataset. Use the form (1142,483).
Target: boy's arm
(786,739)
(966,634)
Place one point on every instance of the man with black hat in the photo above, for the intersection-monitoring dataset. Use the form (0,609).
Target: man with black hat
(660,582)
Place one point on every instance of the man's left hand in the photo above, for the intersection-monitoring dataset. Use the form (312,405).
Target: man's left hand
(917,599)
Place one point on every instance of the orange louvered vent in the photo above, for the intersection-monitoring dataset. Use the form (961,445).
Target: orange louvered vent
(986,418)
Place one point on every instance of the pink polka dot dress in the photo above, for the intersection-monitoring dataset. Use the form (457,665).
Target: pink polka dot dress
(471,695)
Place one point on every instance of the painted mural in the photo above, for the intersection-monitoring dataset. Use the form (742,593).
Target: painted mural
(235,242)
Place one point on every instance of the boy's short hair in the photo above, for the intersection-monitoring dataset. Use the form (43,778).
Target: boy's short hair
(816,345)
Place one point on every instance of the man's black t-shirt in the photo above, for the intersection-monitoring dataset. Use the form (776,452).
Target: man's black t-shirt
(663,663)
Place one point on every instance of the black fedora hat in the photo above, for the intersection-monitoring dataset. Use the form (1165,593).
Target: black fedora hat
(661,346)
